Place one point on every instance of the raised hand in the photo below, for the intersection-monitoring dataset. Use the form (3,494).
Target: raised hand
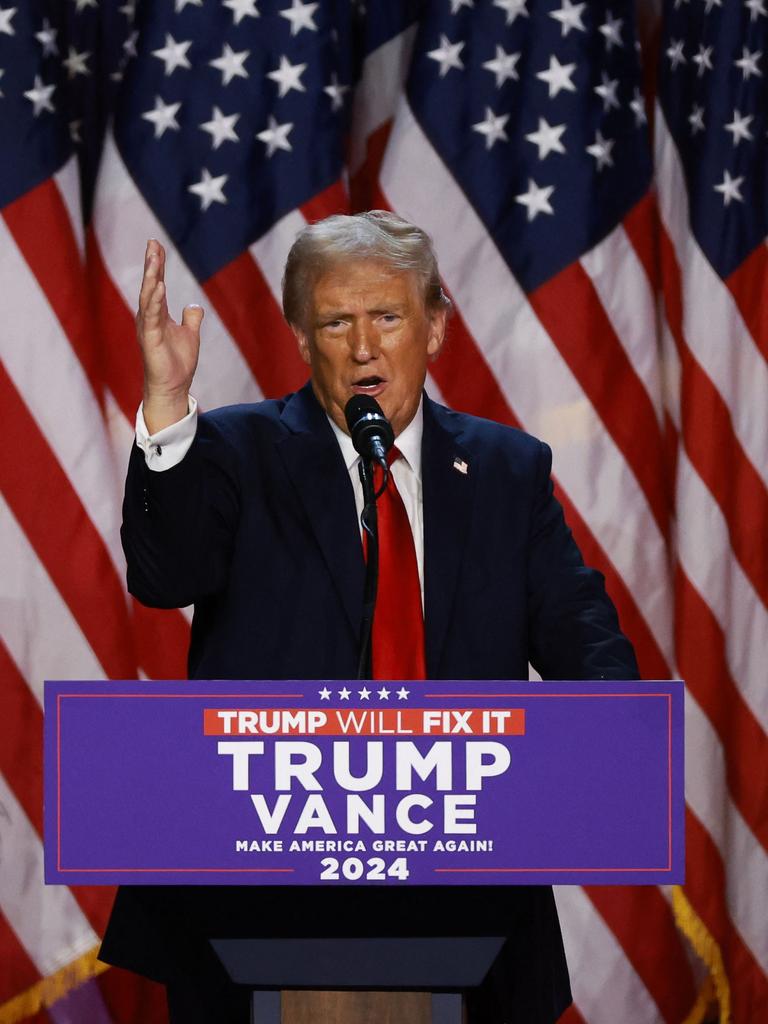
(169,349)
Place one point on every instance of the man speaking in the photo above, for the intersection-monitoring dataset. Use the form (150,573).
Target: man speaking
(251,513)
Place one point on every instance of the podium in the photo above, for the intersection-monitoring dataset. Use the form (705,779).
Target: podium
(298,981)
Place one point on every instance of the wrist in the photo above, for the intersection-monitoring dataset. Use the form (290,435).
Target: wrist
(161,410)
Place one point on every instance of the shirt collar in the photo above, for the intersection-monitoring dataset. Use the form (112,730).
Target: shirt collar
(408,443)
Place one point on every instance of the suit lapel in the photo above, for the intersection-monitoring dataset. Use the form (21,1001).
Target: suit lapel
(448,486)
(314,463)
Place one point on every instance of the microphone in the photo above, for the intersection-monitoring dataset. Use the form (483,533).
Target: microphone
(369,428)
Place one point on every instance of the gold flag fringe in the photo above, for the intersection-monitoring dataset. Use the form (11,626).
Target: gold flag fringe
(50,990)
(705,945)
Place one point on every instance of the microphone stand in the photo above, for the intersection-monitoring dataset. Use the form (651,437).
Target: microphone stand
(369,522)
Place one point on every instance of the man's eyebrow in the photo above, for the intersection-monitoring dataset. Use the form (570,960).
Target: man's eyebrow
(338,313)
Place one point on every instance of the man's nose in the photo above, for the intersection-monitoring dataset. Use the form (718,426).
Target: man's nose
(364,341)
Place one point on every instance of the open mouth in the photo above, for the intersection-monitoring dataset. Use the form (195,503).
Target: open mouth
(368,385)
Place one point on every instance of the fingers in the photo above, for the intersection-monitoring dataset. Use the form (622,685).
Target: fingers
(154,271)
(192,317)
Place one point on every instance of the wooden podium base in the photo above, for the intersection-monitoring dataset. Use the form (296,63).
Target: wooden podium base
(300,1007)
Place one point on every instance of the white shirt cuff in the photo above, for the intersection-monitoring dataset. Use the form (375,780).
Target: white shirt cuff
(168,446)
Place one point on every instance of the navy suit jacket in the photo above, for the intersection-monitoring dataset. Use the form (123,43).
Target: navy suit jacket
(257,527)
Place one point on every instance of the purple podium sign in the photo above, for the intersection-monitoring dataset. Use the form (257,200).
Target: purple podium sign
(312,783)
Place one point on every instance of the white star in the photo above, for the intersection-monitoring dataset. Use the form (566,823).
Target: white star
(221,127)
(242,9)
(336,91)
(703,59)
(74,130)
(607,92)
(547,138)
(729,189)
(75,64)
(230,64)
(456,5)
(492,127)
(611,30)
(637,106)
(300,16)
(558,77)
(535,200)
(325,693)
(679,3)
(209,189)
(739,127)
(503,66)
(163,116)
(276,136)
(383,693)
(748,63)
(569,17)
(129,45)
(447,55)
(288,76)
(6,13)
(181,4)
(344,693)
(601,151)
(47,37)
(128,9)
(696,120)
(756,8)
(402,693)
(709,4)
(675,53)
(173,54)
(40,96)
(80,5)
(514,9)
(364,694)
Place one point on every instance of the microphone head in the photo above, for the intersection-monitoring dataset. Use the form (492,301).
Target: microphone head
(366,422)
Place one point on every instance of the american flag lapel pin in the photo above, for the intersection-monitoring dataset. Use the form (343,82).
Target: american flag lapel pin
(460,465)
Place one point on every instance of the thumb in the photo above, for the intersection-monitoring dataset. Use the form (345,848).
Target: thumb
(192,316)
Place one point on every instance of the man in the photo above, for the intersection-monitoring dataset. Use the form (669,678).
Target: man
(251,513)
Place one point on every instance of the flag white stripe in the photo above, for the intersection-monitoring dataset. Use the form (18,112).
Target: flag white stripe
(746,862)
(45,918)
(378,91)
(39,630)
(123,222)
(43,366)
(271,251)
(67,180)
(538,384)
(707,560)
(714,329)
(625,294)
(605,985)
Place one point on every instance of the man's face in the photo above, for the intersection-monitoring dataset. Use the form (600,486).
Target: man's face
(368,333)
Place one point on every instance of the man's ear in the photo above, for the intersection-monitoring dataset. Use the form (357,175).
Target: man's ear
(303,343)
(438,320)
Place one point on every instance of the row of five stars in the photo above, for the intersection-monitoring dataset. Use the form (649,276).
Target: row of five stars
(364,694)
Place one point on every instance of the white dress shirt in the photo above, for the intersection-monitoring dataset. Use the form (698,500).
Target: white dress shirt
(168,446)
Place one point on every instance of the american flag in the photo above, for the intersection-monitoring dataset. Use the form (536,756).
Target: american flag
(515,132)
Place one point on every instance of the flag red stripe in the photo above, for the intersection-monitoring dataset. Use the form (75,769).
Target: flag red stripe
(701,658)
(131,999)
(249,312)
(40,225)
(705,888)
(571,312)
(334,199)
(571,1016)
(120,358)
(17,972)
(66,542)
(162,640)
(21,740)
(709,436)
(747,285)
(627,910)
(468,384)
(641,225)
(364,187)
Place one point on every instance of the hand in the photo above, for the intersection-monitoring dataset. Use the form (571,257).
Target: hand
(169,350)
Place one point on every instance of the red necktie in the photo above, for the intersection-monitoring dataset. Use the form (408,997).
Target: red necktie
(398,622)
